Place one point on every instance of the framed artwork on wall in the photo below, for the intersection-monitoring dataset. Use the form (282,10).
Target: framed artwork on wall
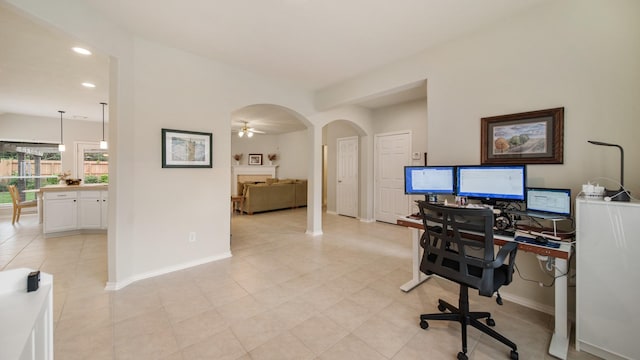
(186,149)
(255,159)
(534,137)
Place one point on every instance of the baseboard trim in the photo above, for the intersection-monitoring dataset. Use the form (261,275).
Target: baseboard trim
(529,304)
(117,285)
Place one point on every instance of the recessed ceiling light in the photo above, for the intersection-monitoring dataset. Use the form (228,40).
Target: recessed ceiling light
(88,85)
(82,51)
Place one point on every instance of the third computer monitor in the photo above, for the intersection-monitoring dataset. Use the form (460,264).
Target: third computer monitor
(492,182)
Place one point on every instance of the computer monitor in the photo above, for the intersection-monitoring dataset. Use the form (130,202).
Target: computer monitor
(425,180)
(492,182)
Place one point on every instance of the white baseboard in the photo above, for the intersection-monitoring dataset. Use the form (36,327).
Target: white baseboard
(529,304)
(117,285)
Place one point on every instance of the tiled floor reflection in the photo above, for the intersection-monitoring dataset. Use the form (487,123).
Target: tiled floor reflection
(283,295)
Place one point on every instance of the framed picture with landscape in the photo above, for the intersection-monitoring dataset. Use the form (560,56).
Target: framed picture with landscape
(186,149)
(534,137)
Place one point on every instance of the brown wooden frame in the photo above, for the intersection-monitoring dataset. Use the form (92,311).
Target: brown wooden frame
(255,159)
(542,141)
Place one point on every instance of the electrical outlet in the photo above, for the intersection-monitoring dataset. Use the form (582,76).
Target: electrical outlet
(192,236)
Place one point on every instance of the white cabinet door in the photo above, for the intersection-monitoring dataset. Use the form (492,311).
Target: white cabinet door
(104,198)
(60,211)
(90,210)
(607,269)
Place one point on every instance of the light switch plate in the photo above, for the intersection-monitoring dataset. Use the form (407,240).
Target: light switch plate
(415,156)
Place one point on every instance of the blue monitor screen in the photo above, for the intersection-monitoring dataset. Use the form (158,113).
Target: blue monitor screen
(487,182)
(419,180)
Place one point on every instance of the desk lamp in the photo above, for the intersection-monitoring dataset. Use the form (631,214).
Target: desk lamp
(616,195)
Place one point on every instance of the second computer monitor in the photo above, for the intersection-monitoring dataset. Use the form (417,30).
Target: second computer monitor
(492,182)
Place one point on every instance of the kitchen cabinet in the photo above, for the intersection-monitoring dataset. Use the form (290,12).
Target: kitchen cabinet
(74,208)
(60,211)
(92,207)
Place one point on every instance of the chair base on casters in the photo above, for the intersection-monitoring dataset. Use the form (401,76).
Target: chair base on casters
(465,317)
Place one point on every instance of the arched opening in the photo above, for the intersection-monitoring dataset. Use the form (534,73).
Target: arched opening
(269,146)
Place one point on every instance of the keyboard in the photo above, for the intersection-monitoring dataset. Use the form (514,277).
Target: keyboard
(505,232)
(528,240)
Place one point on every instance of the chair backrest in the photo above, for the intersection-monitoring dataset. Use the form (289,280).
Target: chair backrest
(468,260)
(15,195)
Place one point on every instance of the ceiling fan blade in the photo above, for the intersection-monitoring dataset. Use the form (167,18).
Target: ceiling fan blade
(256,131)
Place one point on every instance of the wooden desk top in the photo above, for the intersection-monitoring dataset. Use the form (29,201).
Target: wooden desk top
(563,252)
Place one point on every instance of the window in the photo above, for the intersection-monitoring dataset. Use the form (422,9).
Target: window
(28,166)
(93,163)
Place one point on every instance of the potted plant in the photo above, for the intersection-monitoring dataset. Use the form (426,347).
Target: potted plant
(237,158)
(272,158)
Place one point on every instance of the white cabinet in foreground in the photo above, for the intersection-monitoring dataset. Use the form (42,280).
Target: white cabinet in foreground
(26,318)
(607,268)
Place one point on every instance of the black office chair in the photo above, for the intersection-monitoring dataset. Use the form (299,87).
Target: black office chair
(468,261)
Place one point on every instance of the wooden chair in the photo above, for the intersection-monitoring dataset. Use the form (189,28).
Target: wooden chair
(18,205)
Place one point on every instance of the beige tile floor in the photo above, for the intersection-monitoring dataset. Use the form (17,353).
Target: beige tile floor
(283,295)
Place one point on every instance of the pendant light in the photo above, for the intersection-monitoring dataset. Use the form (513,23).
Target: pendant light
(103,143)
(61,147)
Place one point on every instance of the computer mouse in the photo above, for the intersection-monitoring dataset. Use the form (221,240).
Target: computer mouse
(541,240)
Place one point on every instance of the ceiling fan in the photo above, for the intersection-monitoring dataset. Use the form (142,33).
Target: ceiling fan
(246,130)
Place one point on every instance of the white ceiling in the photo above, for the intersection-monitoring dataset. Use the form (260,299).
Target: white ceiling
(307,43)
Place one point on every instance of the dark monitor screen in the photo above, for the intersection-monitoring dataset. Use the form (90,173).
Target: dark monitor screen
(492,182)
(422,180)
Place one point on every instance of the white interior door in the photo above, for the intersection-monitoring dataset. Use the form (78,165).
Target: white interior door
(347,176)
(392,153)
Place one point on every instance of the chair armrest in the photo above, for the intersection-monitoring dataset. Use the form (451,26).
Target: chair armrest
(508,249)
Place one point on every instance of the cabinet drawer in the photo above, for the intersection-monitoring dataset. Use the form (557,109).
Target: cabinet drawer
(89,194)
(60,195)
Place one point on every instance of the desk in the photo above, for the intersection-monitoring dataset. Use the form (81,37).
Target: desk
(560,340)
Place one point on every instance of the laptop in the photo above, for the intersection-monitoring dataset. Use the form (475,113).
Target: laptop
(546,203)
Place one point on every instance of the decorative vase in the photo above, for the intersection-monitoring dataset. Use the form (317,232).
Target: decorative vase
(237,162)
(270,162)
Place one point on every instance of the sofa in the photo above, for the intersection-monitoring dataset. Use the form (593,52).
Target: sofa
(274,194)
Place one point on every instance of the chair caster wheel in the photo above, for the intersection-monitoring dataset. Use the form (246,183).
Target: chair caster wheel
(442,308)
(462,356)
(514,355)
(490,322)
(424,324)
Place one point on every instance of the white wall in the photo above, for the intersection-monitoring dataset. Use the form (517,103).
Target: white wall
(292,150)
(293,155)
(19,127)
(580,54)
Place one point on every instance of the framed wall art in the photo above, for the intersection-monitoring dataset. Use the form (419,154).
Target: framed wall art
(186,149)
(255,159)
(534,137)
